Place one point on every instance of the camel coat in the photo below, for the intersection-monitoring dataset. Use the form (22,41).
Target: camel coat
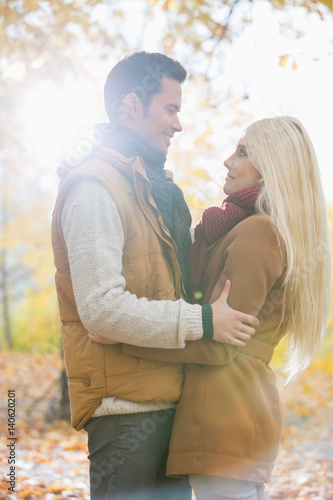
(229,419)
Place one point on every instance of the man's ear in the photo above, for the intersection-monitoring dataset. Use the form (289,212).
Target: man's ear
(133,105)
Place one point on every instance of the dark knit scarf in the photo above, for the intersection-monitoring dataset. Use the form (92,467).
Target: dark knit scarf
(215,222)
(168,197)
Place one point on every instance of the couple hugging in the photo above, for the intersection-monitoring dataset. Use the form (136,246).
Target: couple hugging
(167,343)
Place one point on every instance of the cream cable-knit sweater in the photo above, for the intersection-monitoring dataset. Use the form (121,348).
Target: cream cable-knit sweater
(94,238)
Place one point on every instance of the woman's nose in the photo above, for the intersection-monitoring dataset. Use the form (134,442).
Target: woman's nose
(226,162)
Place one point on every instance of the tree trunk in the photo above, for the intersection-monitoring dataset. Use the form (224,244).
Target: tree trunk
(65,412)
(5,298)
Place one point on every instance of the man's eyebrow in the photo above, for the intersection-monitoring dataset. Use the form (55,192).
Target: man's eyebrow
(174,106)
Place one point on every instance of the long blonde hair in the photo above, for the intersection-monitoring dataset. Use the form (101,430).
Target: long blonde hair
(292,197)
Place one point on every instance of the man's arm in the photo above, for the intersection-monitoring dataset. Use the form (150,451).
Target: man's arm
(227,329)
(94,237)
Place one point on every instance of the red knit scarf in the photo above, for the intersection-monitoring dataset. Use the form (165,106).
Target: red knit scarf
(215,222)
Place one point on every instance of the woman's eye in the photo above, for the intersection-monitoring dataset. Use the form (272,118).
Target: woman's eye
(242,152)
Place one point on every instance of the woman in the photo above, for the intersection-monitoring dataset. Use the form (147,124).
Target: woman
(270,238)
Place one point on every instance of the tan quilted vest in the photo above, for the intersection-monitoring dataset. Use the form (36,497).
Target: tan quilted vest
(151,270)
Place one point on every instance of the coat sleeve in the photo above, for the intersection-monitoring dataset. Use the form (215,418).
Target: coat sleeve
(253,262)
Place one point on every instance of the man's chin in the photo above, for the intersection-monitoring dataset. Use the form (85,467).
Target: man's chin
(161,150)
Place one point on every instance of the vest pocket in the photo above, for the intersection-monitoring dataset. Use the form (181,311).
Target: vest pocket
(82,357)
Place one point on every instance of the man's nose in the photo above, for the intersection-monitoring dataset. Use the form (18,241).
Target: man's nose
(176,125)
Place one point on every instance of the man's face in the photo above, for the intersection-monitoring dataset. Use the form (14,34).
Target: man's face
(159,121)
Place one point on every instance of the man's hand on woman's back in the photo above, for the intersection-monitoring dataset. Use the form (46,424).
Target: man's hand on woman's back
(230,326)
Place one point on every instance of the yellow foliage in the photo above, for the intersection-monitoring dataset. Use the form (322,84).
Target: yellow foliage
(56,488)
(322,361)
(309,4)
(201,141)
(200,173)
(36,324)
(31,5)
(283,60)
(220,30)
(30,493)
(278,3)
(173,5)
(328,3)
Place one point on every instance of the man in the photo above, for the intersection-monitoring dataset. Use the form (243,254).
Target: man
(120,234)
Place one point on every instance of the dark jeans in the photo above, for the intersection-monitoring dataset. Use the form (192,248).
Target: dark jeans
(128,455)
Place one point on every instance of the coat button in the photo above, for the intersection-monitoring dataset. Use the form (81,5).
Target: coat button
(87,381)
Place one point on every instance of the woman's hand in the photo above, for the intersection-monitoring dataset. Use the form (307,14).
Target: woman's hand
(230,326)
(94,337)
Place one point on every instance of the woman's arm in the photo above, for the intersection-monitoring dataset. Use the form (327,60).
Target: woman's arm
(232,326)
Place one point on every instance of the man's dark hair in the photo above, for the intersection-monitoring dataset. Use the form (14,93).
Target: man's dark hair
(140,73)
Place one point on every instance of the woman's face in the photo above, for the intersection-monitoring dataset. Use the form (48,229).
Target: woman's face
(241,172)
